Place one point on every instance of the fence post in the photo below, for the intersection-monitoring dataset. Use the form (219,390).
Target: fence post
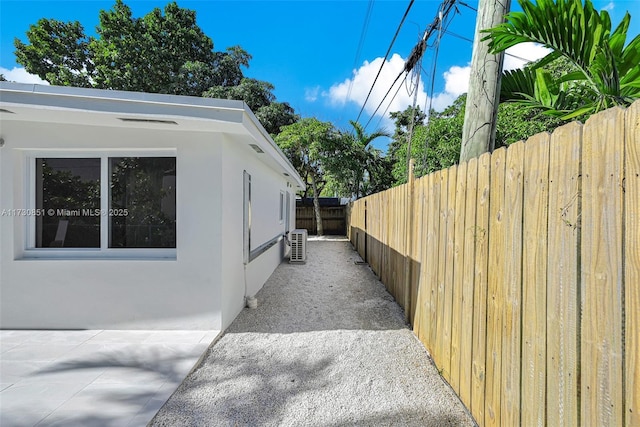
(408,242)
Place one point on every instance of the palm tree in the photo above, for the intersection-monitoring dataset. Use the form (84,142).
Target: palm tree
(365,159)
(605,68)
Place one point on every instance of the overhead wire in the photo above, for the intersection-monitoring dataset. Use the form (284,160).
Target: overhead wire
(363,36)
(466,5)
(471,41)
(390,102)
(384,97)
(385,58)
(418,50)
(432,90)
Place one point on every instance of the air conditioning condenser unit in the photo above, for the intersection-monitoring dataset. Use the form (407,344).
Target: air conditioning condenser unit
(298,246)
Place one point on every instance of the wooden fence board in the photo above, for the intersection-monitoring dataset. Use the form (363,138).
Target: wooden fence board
(440,278)
(333,219)
(457,331)
(632,265)
(601,350)
(480,233)
(563,303)
(417,245)
(534,277)
(466,280)
(433,259)
(385,265)
(512,308)
(525,267)
(445,296)
(422,287)
(495,291)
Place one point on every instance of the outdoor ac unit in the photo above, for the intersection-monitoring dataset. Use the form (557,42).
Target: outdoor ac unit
(298,246)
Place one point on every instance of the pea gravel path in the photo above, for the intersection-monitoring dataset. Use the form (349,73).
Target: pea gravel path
(327,346)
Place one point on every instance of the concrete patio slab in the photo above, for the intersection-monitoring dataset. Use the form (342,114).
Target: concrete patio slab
(96,378)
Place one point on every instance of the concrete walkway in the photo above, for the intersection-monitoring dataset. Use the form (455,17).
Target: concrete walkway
(92,378)
(327,346)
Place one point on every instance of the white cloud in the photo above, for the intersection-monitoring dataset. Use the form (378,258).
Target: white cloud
(457,80)
(521,54)
(609,7)
(456,83)
(20,75)
(311,94)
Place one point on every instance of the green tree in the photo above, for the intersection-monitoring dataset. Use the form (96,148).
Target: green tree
(275,116)
(360,169)
(605,68)
(165,51)
(308,144)
(58,53)
(258,95)
(436,145)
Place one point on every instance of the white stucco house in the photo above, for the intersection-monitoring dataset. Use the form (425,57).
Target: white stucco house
(123,210)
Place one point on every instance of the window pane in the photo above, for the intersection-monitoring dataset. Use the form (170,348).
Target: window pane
(68,191)
(142,211)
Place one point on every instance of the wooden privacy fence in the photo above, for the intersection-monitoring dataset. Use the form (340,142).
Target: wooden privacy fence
(520,272)
(333,219)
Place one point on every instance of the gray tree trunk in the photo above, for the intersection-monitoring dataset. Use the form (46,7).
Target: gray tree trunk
(479,131)
(316,205)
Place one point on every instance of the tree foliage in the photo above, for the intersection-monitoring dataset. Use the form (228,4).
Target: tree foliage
(605,67)
(436,145)
(308,144)
(356,166)
(259,97)
(164,51)
(58,53)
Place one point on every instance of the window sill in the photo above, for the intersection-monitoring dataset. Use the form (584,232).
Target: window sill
(59,254)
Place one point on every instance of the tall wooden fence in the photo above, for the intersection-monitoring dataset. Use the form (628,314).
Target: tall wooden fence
(333,219)
(520,272)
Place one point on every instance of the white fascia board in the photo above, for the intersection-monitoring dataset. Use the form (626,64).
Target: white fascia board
(268,145)
(148,105)
(120,102)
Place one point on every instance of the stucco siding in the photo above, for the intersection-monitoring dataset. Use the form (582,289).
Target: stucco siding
(179,293)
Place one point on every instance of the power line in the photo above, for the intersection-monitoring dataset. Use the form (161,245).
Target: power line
(384,97)
(466,5)
(385,58)
(417,52)
(471,41)
(363,36)
(441,30)
(390,102)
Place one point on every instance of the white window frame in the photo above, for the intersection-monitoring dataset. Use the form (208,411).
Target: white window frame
(282,201)
(104,251)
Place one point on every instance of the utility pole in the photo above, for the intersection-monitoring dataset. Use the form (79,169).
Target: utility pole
(479,131)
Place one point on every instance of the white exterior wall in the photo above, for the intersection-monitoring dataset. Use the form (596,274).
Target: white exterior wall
(180,293)
(241,280)
(200,285)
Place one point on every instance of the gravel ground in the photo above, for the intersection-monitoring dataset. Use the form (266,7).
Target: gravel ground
(327,346)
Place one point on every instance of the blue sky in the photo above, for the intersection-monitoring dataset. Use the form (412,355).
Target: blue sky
(308,49)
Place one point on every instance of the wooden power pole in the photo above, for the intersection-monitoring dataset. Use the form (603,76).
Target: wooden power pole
(479,131)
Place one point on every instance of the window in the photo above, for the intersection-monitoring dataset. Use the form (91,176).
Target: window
(68,195)
(105,202)
(142,202)
(281,207)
